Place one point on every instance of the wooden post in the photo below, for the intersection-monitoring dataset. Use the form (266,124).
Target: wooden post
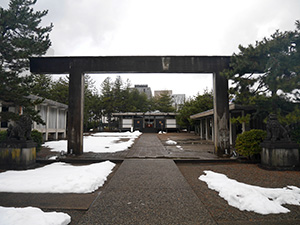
(75,116)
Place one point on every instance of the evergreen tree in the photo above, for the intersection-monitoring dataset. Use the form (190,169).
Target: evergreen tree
(195,105)
(163,103)
(41,85)
(59,90)
(21,37)
(118,95)
(92,104)
(136,101)
(107,98)
(270,68)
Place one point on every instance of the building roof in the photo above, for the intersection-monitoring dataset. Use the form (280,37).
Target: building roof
(232,107)
(48,102)
(145,114)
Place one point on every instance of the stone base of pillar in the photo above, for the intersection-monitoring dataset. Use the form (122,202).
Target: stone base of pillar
(280,155)
(17,155)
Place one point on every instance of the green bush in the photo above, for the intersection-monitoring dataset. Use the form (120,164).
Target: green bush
(295,135)
(248,143)
(37,137)
(3,135)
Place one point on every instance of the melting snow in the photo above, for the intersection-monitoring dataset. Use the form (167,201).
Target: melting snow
(106,142)
(57,178)
(31,216)
(179,147)
(252,198)
(171,142)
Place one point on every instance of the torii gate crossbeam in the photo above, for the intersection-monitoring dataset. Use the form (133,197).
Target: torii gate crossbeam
(76,67)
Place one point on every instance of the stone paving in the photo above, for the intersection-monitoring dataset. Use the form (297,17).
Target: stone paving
(147,146)
(147,191)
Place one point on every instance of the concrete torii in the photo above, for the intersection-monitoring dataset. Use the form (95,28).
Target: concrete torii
(76,67)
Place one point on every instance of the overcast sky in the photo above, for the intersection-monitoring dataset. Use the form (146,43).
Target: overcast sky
(163,27)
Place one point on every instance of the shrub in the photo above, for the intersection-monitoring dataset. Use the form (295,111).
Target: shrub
(248,143)
(37,137)
(3,135)
(295,135)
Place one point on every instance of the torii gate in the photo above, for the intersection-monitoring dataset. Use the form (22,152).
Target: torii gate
(76,67)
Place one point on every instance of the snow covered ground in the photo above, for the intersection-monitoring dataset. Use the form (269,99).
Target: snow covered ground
(31,216)
(57,178)
(54,178)
(106,142)
(252,198)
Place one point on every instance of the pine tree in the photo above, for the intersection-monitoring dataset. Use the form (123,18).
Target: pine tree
(92,104)
(21,37)
(107,98)
(197,104)
(264,69)
(163,103)
(41,85)
(59,90)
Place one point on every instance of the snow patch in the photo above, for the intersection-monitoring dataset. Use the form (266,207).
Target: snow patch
(57,178)
(252,198)
(32,216)
(170,142)
(53,157)
(106,142)
(179,147)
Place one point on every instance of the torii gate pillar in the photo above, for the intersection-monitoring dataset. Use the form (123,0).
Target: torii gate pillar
(221,114)
(75,112)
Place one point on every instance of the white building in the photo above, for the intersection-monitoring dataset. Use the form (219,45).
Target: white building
(53,113)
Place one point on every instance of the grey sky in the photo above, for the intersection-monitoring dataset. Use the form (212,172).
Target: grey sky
(163,27)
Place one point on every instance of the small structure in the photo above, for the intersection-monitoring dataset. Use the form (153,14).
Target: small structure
(205,122)
(278,151)
(148,122)
(53,113)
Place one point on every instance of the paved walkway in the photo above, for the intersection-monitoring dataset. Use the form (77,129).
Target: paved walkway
(147,191)
(147,146)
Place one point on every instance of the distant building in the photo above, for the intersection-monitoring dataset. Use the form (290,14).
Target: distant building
(143,88)
(159,93)
(178,100)
(148,122)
